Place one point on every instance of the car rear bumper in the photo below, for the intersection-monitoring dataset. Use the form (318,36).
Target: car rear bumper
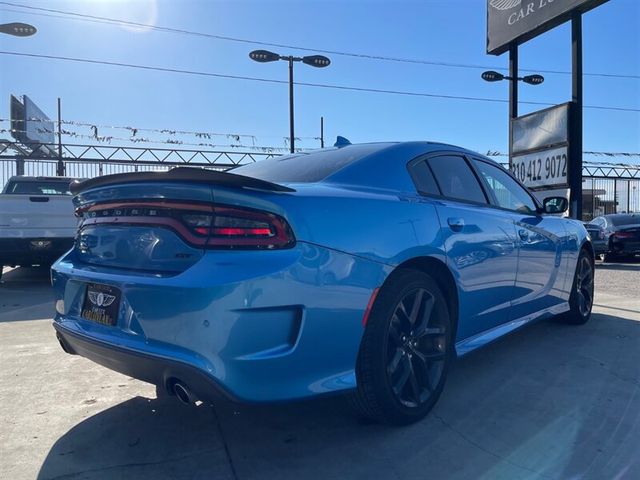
(625,247)
(255,326)
(144,366)
(32,251)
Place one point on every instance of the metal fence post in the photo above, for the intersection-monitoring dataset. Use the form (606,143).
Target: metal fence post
(19,166)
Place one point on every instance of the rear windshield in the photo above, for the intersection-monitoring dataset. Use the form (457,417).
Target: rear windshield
(45,187)
(305,167)
(620,220)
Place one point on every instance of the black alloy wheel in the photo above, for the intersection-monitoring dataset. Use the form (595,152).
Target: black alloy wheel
(584,285)
(405,352)
(416,348)
(581,298)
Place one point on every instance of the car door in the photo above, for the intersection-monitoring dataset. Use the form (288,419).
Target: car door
(480,241)
(541,278)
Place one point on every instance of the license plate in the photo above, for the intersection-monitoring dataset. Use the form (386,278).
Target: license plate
(101,304)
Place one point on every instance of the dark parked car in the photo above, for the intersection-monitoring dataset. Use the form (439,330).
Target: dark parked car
(599,238)
(621,234)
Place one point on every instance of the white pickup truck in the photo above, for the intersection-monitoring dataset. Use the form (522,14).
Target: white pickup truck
(37,222)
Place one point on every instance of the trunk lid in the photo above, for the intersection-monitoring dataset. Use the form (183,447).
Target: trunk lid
(630,232)
(162,222)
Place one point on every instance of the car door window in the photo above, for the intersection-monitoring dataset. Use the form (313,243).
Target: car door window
(507,192)
(455,178)
(423,178)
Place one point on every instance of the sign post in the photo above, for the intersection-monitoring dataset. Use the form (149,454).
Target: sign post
(511,23)
(575,178)
(513,94)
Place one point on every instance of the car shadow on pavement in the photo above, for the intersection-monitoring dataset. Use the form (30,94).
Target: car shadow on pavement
(550,401)
(19,287)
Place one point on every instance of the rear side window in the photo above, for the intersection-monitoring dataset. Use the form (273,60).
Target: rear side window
(38,188)
(423,178)
(621,220)
(305,168)
(455,179)
(508,193)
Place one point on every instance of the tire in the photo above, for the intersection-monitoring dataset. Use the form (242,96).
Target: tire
(581,298)
(610,257)
(405,352)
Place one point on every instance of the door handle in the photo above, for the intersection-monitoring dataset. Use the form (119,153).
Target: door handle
(455,223)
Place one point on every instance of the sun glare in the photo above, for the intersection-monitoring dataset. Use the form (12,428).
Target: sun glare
(142,12)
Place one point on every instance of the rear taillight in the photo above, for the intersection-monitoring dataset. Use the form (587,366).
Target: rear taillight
(203,225)
(232,227)
(623,235)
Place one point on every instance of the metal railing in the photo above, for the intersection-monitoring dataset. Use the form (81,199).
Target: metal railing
(607,187)
(86,161)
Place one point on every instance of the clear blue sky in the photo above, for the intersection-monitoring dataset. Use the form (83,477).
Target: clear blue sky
(434,30)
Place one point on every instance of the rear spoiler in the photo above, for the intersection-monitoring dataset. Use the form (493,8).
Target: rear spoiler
(180,174)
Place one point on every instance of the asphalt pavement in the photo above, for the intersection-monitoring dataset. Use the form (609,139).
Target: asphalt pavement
(548,402)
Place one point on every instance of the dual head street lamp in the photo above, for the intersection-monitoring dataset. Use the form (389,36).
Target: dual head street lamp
(491,76)
(265,56)
(18,29)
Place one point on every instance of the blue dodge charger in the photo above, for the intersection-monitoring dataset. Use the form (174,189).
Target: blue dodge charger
(363,268)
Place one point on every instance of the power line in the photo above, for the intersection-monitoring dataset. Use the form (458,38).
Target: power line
(112,21)
(305,84)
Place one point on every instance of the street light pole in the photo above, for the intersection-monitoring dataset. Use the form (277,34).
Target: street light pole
(491,76)
(318,61)
(292,138)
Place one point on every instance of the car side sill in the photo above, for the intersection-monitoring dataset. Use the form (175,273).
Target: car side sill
(469,344)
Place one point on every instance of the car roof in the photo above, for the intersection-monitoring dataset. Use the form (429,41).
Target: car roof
(427,146)
(380,165)
(621,215)
(379,168)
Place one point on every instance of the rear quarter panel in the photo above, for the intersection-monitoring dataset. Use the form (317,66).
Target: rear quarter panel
(380,225)
(576,238)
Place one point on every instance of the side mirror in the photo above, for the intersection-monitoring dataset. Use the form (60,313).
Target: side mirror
(555,205)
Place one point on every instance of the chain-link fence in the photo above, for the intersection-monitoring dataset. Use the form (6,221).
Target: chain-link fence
(87,161)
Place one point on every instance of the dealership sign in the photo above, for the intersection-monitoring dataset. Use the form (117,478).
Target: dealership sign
(516,21)
(540,143)
(544,169)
